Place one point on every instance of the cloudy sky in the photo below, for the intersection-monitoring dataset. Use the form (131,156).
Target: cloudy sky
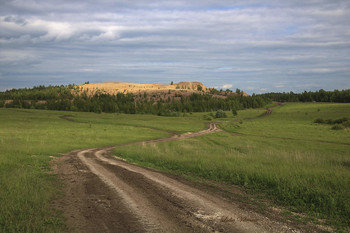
(257,46)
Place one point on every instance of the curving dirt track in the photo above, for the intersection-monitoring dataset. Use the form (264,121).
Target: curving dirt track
(212,127)
(106,194)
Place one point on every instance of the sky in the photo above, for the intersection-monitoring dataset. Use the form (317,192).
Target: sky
(256,46)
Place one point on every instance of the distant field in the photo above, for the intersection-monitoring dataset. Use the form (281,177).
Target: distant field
(295,121)
(29,137)
(294,161)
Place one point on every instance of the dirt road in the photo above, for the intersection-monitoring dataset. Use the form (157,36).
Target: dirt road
(106,194)
(212,127)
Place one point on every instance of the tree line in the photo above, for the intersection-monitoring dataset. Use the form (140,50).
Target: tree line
(336,96)
(72,98)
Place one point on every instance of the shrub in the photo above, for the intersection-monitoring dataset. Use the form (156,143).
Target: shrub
(220,114)
(346,124)
(329,121)
(340,121)
(234,112)
(207,117)
(338,127)
(319,121)
(168,113)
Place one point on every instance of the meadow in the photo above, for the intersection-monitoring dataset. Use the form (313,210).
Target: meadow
(31,139)
(286,156)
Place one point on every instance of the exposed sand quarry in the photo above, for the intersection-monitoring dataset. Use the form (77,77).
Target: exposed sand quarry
(119,87)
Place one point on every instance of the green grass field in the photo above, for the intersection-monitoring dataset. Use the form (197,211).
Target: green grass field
(29,137)
(295,121)
(293,161)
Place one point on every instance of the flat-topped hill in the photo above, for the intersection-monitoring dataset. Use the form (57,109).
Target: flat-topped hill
(119,87)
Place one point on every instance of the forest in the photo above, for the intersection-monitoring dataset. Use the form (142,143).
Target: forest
(335,96)
(72,98)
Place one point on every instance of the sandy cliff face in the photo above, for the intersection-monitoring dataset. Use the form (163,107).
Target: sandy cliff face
(118,87)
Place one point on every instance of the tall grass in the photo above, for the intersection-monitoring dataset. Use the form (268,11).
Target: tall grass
(306,175)
(28,141)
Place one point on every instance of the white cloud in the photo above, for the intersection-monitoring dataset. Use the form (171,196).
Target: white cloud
(317,70)
(279,85)
(251,88)
(227,86)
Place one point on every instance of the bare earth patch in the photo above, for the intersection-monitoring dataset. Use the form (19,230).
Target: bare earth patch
(119,87)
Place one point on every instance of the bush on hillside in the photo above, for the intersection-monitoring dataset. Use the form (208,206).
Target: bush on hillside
(341,120)
(337,127)
(207,117)
(329,121)
(234,112)
(220,114)
(346,124)
(319,121)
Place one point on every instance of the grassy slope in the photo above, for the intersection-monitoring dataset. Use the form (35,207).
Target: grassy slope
(29,137)
(284,159)
(295,121)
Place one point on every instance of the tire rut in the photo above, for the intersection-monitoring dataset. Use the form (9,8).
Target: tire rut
(106,194)
(212,127)
(153,201)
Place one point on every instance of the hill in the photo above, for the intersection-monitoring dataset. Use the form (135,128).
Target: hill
(135,88)
(157,92)
(157,99)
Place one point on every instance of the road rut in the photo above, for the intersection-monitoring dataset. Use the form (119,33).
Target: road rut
(106,194)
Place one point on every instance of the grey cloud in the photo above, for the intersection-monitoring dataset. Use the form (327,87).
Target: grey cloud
(15,19)
(263,44)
